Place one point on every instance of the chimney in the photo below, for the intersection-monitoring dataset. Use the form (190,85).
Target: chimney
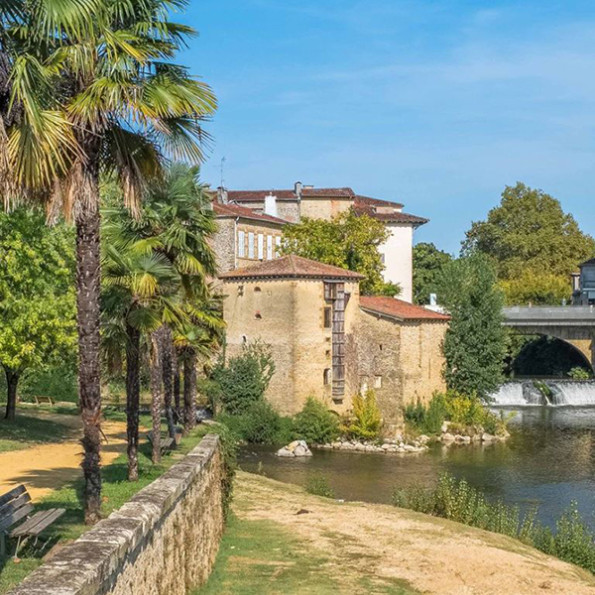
(222,195)
(297,190)
(433,300)
(270,205)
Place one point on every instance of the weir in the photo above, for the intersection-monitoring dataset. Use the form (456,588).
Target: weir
(553,393)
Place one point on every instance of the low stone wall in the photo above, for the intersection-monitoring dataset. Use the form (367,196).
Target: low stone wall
(162,542)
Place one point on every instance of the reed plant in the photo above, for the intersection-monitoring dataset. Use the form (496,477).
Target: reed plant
(456,500)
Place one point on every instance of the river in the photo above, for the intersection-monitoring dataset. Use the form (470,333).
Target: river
(548,461)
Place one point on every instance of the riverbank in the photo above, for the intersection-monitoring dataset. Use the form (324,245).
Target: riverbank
(283,540)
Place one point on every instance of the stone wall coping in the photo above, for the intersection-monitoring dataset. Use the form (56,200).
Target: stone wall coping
(79,568)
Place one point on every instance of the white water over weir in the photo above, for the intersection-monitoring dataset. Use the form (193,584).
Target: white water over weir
(523,393)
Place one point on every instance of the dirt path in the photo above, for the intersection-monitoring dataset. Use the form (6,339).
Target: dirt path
(429,555)
(47,467)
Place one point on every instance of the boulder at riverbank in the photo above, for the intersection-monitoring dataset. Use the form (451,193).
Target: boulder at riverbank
(297,448)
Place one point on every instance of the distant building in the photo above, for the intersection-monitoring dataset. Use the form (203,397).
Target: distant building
(326,203)
(584,284)
(244,237)
(330,343)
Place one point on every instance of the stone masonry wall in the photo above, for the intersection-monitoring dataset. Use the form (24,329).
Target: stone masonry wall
(162,542)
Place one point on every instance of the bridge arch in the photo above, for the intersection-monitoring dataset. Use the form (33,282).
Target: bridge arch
(573,324)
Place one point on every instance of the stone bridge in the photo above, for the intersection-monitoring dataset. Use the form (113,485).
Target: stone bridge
(573,324)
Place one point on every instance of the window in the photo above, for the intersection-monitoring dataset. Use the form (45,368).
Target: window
(327,317)
(269,247)
(250,244)
(257,290)
(260,246)
(241,244)
(326,376)
(278,246)
(378,382)
(258,315)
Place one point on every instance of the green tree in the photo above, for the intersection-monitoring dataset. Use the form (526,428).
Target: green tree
(37,305)
(428,262)
(349,241)
(531,240)
(97,93)
(475,343)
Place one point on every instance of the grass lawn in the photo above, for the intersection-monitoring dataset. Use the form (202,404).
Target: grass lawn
(116,492)
(263,558)
(28,430)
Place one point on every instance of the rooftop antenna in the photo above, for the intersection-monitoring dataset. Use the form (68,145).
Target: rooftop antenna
(222,168)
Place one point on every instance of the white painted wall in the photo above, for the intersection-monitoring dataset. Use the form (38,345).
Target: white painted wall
(398,258)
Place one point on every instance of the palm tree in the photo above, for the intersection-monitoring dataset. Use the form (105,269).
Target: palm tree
(99,97)
(140,288)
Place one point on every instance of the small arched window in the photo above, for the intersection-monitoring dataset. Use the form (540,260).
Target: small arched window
(326,375)
(257,290)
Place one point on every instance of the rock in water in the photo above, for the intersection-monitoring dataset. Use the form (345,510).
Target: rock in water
(297,448)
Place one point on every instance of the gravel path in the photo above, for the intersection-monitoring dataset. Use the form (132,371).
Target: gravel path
(47,467)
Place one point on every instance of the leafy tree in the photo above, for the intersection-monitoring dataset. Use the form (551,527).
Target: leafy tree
(97,93)
(349,241)
(428,262)
(37,308)
(475,343)
(366,419)
(244,378)
(531,240)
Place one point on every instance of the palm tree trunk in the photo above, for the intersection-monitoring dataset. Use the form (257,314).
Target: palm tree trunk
(12,380)
(88,288)
(156,379)
(190,390)
(168,377)
(177,386)
(132,399)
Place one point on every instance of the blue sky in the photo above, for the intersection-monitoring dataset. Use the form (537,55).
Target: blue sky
(437,105)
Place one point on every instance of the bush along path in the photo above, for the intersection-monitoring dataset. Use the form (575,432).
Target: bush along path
(283,540)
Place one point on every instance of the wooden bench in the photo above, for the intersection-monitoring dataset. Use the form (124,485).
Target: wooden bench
(16,506)
(43,400)
(167,442)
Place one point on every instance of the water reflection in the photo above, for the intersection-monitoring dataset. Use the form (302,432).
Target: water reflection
(548,461)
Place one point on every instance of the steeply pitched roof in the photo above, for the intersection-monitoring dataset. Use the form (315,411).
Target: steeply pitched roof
(232,210)
(398,309)
(292,267)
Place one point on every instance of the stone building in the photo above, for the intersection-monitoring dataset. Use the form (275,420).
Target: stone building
(400,353)
(326,203)
(330,343)
(244,237)
(307,312)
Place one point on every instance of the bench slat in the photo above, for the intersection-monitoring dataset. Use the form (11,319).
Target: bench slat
(38,522)
(30,522)
(12,495)
(14,505)
(17,515)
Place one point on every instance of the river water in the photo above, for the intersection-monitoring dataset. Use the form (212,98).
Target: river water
(548,461)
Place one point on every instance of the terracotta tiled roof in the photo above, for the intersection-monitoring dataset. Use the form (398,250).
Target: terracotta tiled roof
(231,210)
(368,201)
(396,217)
(291,267)
(398,309)
(259,195)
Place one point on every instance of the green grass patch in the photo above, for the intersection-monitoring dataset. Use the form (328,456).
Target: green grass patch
(116,492)
(27,430)
(261,557)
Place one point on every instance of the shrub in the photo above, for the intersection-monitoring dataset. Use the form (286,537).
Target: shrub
(315,423)
(456,500)
(462,411)
(366,420)
(58,382)
(319,486)
(245,378)
(259,424)
(578,373)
